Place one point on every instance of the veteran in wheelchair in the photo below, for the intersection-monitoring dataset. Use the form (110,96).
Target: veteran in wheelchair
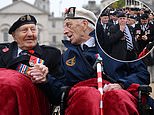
(20,93)
(115,94)
(117,91)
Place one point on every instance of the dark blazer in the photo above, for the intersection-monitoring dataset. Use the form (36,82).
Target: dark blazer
(118,44)
(103,36)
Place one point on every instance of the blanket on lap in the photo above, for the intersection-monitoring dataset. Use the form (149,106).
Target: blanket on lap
(19,96)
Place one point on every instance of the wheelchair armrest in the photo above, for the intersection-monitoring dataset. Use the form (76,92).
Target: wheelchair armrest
(65,91)
(145,89)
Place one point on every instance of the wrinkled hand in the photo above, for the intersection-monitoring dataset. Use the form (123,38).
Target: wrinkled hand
(110,87)
(38,73)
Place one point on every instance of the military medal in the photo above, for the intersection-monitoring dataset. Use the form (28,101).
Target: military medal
(22,68)
(35,60)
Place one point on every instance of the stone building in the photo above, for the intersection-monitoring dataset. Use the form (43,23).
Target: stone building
(50,28)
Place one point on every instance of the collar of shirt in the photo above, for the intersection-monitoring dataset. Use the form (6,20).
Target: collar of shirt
(19,50)
(90,42)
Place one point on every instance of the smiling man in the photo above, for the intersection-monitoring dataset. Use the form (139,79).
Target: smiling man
(25,51)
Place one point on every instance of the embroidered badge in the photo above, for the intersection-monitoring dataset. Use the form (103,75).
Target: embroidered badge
(5,49)
(71,62)
(35,60)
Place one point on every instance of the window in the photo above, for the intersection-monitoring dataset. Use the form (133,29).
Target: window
(53,24)
(54,39)
(5,35)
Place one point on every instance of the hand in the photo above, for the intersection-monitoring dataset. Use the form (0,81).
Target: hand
(38,73)
(144,37)
(110,87)
(122,27)
(138,37)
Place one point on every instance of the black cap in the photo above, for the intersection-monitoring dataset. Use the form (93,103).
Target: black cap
(26,19)
(144,16)
(104,14)
(132,17)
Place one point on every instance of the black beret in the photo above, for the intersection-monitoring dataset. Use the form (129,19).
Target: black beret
(132,17)
(26,19)
(144,16)
(104,14)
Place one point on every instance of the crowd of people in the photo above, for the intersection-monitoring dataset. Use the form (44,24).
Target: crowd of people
(128,30)
(75,66)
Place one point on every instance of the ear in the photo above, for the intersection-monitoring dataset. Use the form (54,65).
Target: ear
(85,23)
(14,36)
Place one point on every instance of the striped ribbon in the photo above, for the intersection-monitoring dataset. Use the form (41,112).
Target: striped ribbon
(22,68)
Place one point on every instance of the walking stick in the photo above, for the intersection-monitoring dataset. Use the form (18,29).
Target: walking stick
(99,80)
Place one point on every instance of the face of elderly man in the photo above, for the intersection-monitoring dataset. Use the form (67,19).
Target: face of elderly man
(26,36)
(75,30)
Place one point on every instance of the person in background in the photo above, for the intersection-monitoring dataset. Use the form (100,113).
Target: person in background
(121,38)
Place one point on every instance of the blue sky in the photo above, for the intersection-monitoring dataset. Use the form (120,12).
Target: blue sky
(56,6)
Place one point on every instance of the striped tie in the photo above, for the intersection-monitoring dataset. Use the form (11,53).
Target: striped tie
(129,42)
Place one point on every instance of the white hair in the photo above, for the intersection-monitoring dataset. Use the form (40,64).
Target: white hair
(90,25)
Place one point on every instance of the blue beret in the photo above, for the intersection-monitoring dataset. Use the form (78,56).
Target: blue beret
(121,14)
(26,19)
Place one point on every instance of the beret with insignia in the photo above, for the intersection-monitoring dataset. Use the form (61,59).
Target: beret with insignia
(80,13)
(26,19)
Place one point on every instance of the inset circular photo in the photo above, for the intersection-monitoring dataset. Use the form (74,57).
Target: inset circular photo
(125,30)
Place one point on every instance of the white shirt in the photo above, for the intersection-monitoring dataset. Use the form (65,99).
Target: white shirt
(90,42)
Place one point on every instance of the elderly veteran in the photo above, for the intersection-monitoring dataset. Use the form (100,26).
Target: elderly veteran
(78,72)
(78,60)
(77,67)
(22,55)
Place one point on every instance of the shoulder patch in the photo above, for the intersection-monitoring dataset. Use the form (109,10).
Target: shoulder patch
(71,62)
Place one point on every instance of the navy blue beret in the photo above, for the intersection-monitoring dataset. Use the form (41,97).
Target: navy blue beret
(121,14)
(26,19)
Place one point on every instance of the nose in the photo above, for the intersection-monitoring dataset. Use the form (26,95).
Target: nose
(66,30)
(29,32)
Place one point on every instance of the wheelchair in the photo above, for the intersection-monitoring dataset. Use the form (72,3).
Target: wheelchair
(143,91)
